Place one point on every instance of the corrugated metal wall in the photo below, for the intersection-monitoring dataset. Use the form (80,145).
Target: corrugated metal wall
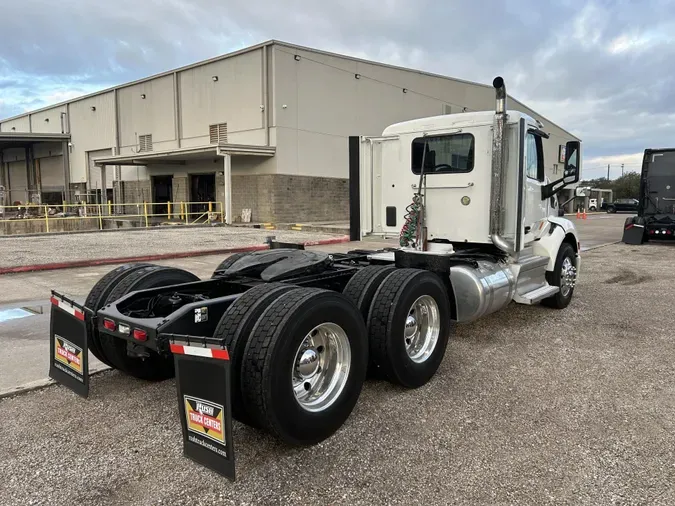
(152,115)
(90,130)
(235,98)
(19,124)
(319,102)
(48,121)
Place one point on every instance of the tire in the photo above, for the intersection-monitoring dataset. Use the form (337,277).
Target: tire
(270,368)
(227,263)
(611,210)
(592,209)
(235,327)
(387,326)
(155,367)
(97,298)
(362,286)
(560,300)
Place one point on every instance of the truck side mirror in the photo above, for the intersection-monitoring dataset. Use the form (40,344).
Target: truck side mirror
(571,171)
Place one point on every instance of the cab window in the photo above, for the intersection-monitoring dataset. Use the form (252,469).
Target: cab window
(443,154)
(535,157)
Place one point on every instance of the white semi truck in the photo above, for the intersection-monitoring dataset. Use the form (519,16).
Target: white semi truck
(299,330)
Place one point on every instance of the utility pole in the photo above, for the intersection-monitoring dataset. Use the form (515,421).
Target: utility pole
(607,172)
(622,170)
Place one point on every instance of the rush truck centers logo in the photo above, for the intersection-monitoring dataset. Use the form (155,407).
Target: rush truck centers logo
(204,418)
(68,354)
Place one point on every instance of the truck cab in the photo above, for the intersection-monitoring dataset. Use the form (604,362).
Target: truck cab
(472,182)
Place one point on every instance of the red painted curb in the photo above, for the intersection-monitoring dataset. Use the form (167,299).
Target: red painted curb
(148,258)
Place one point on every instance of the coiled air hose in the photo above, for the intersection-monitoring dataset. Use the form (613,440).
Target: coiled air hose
(410,232)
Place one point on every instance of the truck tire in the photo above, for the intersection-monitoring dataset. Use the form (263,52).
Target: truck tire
(362,286)
(154,367)
(97,298)
(235,327)
(304,366)
(611,209)
(409,326)
(225,264)
(564,261)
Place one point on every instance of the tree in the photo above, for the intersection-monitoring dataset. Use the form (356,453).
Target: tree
(624,187)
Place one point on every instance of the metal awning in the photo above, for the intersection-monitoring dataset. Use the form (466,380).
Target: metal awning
(182,156)
(25,139)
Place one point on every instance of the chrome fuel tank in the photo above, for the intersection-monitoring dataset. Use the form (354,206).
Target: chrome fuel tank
(481,291)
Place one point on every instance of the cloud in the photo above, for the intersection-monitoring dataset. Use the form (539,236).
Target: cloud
(601,69)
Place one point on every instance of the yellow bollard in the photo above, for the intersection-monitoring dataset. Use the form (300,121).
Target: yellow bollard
(145,212)
(109,208)
(47,218)
(168,210)
(182,210)
(100,217)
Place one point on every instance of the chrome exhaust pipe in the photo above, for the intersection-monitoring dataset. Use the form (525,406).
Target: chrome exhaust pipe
(498,159)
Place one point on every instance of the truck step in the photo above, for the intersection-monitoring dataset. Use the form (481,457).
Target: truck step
(537,295)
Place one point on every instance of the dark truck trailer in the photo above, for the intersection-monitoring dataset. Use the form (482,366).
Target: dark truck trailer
(656,209)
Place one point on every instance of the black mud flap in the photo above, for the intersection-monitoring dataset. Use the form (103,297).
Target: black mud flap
(68,349)
(203,384)
(633,233)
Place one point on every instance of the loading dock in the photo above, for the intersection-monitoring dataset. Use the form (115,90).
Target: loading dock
(202,172)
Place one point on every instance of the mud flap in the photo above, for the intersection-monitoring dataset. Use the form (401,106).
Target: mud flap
(68,350)
(633,233)
(203,384)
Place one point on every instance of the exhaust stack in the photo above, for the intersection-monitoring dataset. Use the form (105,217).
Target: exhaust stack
(498,160)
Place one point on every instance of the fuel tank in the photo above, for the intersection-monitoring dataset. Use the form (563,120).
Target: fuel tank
(482,290)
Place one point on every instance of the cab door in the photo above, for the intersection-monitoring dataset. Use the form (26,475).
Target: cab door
(536,209)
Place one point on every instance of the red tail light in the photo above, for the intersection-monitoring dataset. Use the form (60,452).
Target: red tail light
(109,324)
(140,335)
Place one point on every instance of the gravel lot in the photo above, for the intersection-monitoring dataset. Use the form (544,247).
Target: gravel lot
(530,406)
(16,251)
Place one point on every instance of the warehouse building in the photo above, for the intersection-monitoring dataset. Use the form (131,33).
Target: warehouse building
(265,128)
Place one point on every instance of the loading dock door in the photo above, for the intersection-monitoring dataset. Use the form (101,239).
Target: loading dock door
(162,191)
(202,189)
(18,182)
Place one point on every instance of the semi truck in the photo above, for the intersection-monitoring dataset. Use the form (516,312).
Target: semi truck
(655,217)
(301,330)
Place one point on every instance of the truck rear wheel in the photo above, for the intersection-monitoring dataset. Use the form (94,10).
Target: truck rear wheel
(235,327)
(97,299)
(564,275)
(227,263)
(408,326)
(155,366)
(305,364)
(362,286)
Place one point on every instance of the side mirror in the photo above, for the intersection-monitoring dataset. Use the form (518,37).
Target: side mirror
(572,169)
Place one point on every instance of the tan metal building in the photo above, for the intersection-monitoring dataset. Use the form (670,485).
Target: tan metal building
(274,119)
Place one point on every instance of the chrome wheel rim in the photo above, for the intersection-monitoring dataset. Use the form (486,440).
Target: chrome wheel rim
(568,277)
(422,329)
(321,367)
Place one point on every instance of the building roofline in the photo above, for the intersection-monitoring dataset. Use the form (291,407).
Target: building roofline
(255,47)
(142,80)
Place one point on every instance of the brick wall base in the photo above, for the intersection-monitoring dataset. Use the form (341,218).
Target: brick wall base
(281,198)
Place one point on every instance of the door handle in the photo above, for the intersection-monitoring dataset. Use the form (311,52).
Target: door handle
(415,186)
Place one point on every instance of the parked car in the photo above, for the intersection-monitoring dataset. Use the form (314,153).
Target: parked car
(623,205)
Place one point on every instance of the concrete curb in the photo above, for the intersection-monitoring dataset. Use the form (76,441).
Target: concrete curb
(40,384)
(148,258)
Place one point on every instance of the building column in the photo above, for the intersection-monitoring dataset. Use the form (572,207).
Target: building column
(227,171)
(65,149)
(104,187)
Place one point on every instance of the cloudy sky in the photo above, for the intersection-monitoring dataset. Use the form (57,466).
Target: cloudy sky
(602,69)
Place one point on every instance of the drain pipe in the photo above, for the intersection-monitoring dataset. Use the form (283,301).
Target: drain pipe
(498,160)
